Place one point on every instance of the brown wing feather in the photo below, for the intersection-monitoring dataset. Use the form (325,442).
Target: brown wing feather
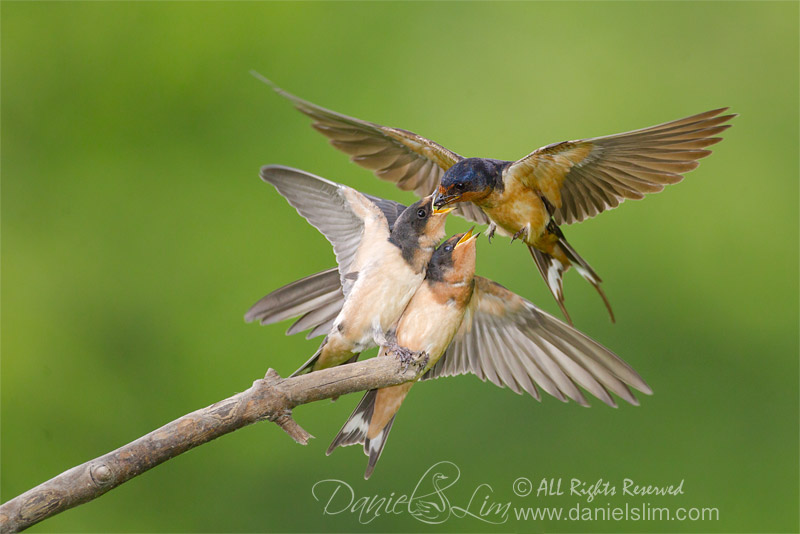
(586,177)
(507,340)
(380,148)
(410,161)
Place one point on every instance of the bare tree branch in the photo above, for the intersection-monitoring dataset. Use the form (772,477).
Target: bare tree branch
(271,398)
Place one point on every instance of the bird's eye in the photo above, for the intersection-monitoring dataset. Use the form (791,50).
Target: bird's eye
(449,248)
(459,185)
(421,213)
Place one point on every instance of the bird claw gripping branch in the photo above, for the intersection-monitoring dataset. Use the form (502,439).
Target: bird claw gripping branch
(406,356)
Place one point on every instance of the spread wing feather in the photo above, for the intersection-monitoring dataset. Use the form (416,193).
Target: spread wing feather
(579,178)
(317,298)
(510,342)
(586,177)
(410,161)
(298,299)
(339,212)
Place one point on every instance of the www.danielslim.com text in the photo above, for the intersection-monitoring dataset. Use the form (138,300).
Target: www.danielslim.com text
(639,512)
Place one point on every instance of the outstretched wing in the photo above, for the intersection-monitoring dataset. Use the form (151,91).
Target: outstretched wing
(586,177)
(317,298)
(510,342)
(412,162)
(342,214)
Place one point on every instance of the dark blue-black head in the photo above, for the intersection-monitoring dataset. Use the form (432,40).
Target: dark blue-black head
(469,180)
(453,261)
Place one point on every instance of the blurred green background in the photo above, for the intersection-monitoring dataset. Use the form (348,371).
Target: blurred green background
(136,233)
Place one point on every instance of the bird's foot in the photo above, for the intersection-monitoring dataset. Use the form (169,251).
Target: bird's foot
(407,356)
(522,234)
(490,232)
(425,359)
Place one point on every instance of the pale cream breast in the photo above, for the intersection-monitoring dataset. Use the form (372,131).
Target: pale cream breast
(430,322)
(385,285)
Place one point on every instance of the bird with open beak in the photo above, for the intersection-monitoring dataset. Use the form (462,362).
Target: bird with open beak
(468,324)
(528,199)
(382,249)
(427,326)
(465,324)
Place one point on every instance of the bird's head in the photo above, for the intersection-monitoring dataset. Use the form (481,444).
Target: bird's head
(420,226)
(469,180)
(454,261)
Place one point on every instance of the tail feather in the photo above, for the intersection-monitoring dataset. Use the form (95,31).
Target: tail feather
(552,270)
(354,430)
(586,271)
(374,447)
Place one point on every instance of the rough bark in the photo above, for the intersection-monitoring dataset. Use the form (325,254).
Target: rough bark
(271,398)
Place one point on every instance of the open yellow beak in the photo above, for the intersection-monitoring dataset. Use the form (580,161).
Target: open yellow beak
(469,236)
(440,211)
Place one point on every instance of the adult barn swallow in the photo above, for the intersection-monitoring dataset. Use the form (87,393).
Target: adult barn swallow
(561,183)
(468,324)
(381,265)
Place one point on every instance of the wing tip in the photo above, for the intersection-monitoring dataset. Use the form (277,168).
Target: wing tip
(606,398)
(295,328)
(727,117)
(715,112)
(274,173)
(260,77)
(256,313)
(271,171)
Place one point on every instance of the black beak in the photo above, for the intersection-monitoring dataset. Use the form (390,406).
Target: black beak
(443,200)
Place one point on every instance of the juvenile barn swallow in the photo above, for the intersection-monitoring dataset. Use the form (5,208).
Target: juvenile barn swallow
(486,330)
(427,325)
(469,324)
(527,199)
(382,249)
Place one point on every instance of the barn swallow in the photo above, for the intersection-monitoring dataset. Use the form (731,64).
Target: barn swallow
(527,199)
(382,249)
(468,324)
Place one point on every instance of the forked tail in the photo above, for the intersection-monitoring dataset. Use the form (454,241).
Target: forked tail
(356,429)
(552,270)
